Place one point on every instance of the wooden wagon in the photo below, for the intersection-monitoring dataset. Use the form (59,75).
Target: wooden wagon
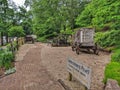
(84,39)
(29,38)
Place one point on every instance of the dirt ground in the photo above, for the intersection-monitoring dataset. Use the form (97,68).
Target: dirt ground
(55,59)
(30,74)
(39,66)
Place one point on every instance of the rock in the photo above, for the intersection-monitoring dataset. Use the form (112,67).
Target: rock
(10,71)
(112,85)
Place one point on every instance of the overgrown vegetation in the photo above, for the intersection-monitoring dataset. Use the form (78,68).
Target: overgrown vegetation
(101,14)
(108,39)
(16,31)
(55,16)
(116,55)
(7,55)
(112,71)
(6,59)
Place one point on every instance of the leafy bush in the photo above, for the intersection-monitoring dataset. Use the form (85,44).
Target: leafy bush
(6,59)
(16,31)
(116,55)
(108,39)
(102,14)
(14,46)
(67,31)
(1,50)
(41,39)
(112,71)
(8,47)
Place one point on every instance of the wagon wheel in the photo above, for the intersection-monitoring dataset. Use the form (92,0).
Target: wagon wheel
(96,50)
(32,41)
(73,48)
(88,49)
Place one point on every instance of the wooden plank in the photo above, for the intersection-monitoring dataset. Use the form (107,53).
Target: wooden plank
(63,84)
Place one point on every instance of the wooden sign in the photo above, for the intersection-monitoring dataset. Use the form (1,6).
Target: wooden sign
(80,72)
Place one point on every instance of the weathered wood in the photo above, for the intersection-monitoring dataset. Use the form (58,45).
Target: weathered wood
(105,50)
(29,38)
(70,77)
(64,86)
(84,38)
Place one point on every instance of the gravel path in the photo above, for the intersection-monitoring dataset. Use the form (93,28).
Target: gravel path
(30,74)
(40,66)
(55,59)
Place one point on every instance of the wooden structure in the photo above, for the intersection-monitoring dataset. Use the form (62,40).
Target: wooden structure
(29,38)
(84,38)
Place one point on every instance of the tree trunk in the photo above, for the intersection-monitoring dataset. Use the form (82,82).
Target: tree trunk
(2,39)
(6,37)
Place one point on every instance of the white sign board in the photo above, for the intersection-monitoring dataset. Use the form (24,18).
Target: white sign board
(80,72)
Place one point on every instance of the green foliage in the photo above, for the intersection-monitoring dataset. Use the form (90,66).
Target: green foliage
(13,47)
(16,31)
(6,60)
(55,15)
(116,55)
(112,71)
(98,13)
(108,39)
(1,50)
(41,39)
(27,27)
(45,37)
(67,31)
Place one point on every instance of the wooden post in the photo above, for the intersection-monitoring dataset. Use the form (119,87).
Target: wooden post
(12,47)
(70,77)
(86,88)
(17,43)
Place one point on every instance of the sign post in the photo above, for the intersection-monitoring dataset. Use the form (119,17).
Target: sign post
(80,72)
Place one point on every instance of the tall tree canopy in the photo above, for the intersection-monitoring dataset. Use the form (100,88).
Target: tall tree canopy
(12,15)
(51,16)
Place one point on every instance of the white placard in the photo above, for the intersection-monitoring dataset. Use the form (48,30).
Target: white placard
(80,72)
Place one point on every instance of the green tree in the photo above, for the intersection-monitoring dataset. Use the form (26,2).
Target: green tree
(7,8)
(51,16)
(16,31)
(3,17)
(102,14)
(25,19)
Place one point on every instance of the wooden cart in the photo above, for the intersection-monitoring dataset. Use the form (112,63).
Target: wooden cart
(84,39)
(29,38)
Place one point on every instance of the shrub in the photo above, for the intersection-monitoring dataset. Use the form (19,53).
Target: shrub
(6,60)
(112,71)
(116,55)
(108,39)
(41,39)
(16,31)
(14,46)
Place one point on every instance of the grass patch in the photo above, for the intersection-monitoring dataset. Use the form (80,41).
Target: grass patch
(116,55)
(112,71)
